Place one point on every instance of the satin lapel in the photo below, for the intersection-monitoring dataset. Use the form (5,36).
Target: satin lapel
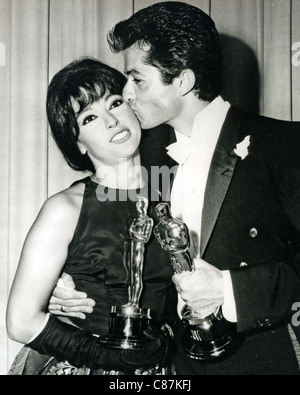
(220,175)
(172,167)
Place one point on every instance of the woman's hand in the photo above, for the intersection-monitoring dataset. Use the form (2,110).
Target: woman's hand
(66,301)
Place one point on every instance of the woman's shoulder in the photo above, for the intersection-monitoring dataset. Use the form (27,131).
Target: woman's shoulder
(66,204)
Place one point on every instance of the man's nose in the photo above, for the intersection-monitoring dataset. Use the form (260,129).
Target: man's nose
(128,93)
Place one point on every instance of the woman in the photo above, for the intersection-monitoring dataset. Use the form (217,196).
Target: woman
(83,231)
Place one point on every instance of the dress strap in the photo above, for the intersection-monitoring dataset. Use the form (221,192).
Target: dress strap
(84,180)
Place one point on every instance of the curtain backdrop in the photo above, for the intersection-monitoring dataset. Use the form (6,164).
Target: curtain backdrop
(38,37)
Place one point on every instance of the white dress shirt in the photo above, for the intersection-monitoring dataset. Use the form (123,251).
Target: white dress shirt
(194,155)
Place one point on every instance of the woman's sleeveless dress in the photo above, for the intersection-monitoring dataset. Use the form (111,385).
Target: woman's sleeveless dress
(97,262)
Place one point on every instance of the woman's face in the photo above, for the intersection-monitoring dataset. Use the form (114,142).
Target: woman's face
(109,130)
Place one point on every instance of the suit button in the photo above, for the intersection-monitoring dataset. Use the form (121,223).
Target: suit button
(243,264)
(259,323)
(253,232)
(268,322)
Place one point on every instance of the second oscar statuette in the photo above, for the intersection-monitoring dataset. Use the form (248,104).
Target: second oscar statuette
(205,337)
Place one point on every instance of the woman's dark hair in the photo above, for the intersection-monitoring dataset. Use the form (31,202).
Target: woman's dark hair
(179,36)
(85,80)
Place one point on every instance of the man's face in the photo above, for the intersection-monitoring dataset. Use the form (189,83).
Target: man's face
(153,102)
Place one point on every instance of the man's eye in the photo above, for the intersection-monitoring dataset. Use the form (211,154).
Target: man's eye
(88,119)
(136,80)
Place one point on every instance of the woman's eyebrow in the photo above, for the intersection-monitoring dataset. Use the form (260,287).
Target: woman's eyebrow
(80,112)
(88,107)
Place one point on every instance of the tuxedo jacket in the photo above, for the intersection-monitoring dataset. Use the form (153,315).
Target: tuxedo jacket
(251,215)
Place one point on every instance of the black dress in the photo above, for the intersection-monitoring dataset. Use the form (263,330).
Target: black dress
(97,258)
(97,262)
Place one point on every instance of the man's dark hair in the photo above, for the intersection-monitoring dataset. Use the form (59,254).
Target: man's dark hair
(84,81)
(179,36)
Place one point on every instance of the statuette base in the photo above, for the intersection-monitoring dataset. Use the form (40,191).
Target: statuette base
(126,327)
(210,337)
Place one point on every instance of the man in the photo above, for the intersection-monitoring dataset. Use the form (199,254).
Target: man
(237,186)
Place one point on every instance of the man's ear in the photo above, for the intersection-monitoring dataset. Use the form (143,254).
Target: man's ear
(187,81)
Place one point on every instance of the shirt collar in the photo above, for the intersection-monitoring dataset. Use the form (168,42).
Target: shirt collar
(209,121)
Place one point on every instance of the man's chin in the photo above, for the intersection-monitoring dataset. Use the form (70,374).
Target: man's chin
(147,126)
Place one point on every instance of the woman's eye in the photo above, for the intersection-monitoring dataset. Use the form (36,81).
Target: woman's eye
(88,119)
(116,103)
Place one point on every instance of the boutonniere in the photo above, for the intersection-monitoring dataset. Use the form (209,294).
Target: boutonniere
(241,149)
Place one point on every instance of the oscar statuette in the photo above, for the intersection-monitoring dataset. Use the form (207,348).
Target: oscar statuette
(128,322)
(205,337)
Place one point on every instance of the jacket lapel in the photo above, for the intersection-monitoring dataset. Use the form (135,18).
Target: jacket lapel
(220,174)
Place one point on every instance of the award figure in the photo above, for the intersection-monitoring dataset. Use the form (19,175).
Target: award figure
(140,232)
(128,322)
(205,338)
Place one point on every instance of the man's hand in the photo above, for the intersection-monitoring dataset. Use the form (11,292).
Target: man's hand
(203,289)
(68,302)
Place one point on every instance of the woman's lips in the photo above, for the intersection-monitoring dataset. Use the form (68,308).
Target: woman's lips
(121,137)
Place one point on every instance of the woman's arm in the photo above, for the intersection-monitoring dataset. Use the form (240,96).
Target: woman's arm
(41,262)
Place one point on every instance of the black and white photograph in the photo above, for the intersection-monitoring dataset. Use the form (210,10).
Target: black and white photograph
(150,198)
